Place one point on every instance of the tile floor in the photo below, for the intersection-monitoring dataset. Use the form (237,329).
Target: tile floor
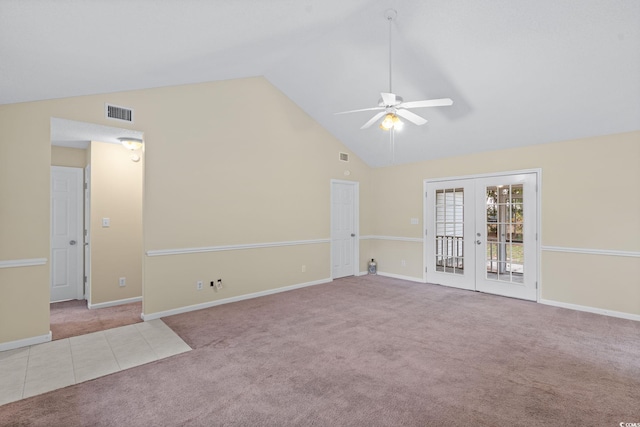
(25,372)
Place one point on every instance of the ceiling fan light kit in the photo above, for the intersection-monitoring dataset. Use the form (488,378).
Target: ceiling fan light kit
(391,121)
(393,105)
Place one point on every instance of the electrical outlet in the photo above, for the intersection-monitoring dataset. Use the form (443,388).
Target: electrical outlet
(122,281)
(304,268)
(404,263)
(219,284)
(199,285)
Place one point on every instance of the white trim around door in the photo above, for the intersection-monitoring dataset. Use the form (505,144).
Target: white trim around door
(476,238)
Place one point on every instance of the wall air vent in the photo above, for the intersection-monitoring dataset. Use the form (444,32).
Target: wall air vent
(118,113)
(344,157)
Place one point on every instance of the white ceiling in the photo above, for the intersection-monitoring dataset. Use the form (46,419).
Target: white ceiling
(74,134)
(520,72)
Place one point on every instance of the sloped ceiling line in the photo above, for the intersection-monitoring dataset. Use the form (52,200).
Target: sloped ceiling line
(519,72)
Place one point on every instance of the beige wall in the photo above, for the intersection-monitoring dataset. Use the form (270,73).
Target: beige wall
(606,282)
(70,157)
(116,251)
(242,272)
(25,164)
(236,162)
(232,162)
(251,169)
(589,201)
(28,289)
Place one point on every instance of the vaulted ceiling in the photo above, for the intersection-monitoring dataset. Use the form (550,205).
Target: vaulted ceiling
(520,72)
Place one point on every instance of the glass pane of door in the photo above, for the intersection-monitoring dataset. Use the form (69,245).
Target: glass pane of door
(449,240)
(505,238)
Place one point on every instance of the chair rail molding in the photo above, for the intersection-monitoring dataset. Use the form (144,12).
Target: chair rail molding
(30,262)
(181,251)
(588,251)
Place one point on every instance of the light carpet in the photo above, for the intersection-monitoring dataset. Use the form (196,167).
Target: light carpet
(369,351)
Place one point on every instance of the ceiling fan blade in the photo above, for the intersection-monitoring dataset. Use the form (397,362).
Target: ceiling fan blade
(442,102)
(412,117)
(388,98)
(362,109)
(373,119)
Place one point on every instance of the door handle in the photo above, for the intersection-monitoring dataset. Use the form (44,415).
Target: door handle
(72,242)
(478,242)
(353,235)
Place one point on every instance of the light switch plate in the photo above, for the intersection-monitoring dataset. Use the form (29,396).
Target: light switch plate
(106,222)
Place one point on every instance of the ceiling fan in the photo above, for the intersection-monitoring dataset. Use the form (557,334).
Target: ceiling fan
(391,105)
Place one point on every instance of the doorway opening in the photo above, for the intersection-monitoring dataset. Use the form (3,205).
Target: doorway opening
(106,241)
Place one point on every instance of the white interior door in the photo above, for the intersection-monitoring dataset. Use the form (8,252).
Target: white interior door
(482,234)
(66,233)
(344,228)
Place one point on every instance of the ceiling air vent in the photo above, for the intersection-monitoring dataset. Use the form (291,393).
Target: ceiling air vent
(344,157)
(118,113)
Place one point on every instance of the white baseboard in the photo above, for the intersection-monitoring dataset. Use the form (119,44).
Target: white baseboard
(26,342)
(612,313)
(400,276)
(114,303)
(158,315)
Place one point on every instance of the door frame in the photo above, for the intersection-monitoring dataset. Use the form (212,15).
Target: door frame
(356,225)
(538,244)
(79,176)
(87,233)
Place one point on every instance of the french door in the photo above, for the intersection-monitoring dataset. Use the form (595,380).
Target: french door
(481,234)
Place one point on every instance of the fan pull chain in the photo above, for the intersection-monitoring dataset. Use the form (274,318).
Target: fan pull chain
(392,134)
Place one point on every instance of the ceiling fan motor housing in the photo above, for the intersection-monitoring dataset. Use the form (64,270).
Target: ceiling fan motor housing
(398,101)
